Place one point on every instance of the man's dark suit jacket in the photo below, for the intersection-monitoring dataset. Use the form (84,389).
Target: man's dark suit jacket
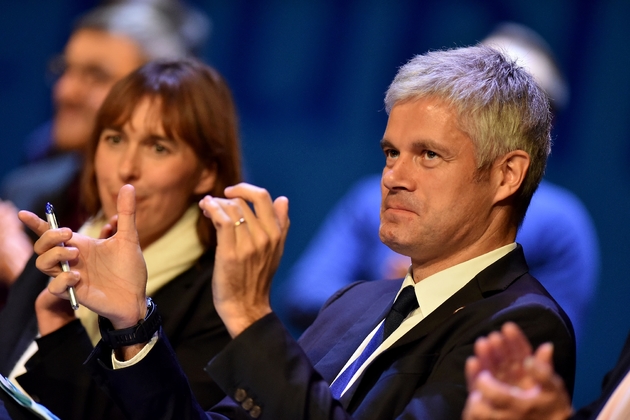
(55,375)
(421,376)
(610,383)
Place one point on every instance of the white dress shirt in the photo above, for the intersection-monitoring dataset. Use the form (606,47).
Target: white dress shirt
(431,292)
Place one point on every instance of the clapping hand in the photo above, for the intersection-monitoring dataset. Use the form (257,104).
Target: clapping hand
(506,380)
(249,247)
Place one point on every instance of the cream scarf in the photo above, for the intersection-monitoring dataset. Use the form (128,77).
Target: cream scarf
(175,252)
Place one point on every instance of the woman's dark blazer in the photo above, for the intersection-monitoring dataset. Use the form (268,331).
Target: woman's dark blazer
(56,376)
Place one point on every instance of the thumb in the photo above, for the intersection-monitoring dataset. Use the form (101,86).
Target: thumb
(126,208)
(281,209)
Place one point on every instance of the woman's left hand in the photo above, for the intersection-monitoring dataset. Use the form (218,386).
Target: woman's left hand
(52,312)
(249,248)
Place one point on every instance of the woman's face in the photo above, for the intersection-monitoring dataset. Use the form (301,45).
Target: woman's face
(164,171)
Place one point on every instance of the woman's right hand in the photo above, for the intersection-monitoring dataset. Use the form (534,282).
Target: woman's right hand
(109,275)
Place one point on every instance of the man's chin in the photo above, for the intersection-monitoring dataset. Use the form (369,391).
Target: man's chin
(71,139)
(72,130)
(393,242)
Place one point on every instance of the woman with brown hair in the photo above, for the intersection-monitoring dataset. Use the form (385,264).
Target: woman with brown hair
(170,130)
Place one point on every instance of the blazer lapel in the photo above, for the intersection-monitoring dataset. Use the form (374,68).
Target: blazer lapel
(496,277)
(335,359)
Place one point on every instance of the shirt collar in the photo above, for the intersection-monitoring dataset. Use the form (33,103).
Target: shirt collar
(434,290)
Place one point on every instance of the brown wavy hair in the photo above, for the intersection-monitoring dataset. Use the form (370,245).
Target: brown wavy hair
(196,106)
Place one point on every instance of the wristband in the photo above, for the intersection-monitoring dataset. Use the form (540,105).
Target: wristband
(139,333)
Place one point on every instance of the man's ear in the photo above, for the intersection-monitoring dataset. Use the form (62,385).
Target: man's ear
(509,173)
(207,178)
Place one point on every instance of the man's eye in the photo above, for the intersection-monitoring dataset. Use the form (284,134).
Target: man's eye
(431,155)
(96,76)
(390,153)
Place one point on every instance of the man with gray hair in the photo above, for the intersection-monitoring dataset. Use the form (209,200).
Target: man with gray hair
(465,147)
(558,235)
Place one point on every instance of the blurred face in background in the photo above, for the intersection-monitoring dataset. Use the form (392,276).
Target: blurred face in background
(93,62)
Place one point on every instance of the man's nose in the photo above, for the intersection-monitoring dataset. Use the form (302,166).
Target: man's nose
(69,88)
(400,175)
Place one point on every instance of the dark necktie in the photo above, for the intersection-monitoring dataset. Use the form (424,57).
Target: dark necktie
(404,304)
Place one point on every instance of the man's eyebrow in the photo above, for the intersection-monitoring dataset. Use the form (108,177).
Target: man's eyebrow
(435,146)
(418,145)
(386,144)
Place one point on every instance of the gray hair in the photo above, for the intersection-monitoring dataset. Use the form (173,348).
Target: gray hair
(498,104)
(161,32)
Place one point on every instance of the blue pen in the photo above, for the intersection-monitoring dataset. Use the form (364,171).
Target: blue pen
(52,222)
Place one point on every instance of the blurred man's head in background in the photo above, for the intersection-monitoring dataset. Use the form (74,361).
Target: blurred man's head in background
(532,52)
(108,43)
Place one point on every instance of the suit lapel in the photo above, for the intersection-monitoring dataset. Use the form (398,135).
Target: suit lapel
(493,279)
(338,355)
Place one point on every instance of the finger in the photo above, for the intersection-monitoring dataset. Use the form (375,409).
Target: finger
(499,360)
(516,342)
(59,285)
(110,228)
(544,354)
(472,370)
(49,262)
(281,209)
(106,231)
(51,239)
(262,234)
(234,209)
(477,408)
(540,366)
(221,220)
(550,383)
(482,351)
(496,393)
(126,209)
(509,354)
(33,222)
(260,199)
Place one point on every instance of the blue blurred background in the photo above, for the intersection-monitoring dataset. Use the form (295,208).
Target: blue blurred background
(309,78)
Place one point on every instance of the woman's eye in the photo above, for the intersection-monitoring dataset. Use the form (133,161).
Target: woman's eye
(113,138)
(160,148)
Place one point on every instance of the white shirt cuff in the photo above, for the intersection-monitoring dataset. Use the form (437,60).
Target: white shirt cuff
(117,364)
